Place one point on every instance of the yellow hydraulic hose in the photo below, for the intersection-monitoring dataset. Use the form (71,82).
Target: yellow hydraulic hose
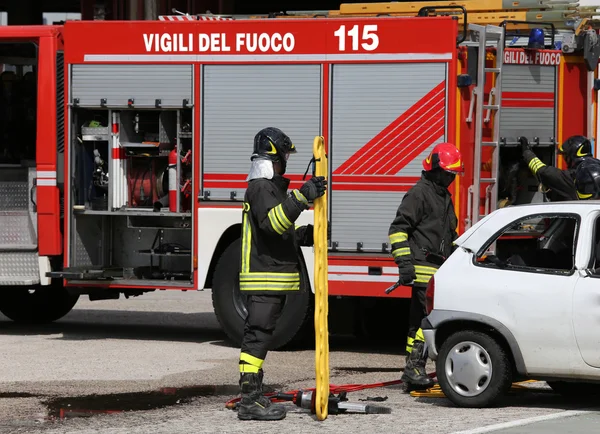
(321,291)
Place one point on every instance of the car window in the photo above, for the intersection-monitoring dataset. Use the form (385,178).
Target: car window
(540,243)
(594,266)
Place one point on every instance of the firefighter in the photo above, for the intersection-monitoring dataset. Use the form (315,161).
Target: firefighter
(270,268)
(422,236)
(587,180)
(559,183)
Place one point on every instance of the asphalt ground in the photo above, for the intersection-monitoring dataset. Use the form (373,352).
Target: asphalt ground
(160,364)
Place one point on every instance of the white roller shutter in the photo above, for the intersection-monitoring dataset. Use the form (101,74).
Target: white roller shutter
(239,101)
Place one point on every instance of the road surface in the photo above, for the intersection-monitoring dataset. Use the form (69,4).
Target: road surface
(160,364)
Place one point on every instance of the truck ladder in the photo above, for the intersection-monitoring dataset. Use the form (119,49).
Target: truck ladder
(496,35)
(564,15)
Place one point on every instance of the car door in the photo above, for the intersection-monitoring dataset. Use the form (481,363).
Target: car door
(586,302)
(527,283)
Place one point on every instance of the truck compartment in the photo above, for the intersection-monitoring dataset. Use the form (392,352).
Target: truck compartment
(131,188)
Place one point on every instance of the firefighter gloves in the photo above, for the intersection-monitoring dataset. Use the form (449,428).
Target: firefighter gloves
(525,146)
(313,188)
(407,271)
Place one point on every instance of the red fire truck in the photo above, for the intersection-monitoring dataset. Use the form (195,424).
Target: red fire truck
(126,145)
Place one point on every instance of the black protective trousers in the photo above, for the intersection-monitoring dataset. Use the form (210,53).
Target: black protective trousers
(263,312)
(416,314)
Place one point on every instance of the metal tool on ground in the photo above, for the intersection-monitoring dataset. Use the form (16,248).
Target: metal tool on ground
(232,404)
(436,391)
(336,404)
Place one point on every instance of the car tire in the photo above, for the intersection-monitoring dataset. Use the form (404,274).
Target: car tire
(230,304)
(575,389)
(473,369)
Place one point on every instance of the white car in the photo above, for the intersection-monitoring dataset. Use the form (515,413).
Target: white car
(519,299)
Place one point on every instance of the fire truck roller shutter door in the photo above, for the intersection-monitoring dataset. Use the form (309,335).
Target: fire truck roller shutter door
(386,119)
(528,101)
(144,83)
(528,94)
(288,96)
(255,96)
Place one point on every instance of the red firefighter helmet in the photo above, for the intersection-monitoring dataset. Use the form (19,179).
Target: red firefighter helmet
(446,156)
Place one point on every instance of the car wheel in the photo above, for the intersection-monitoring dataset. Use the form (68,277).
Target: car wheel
(473,370)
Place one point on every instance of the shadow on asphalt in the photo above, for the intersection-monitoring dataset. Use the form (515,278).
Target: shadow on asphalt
(531,398)
(88,324)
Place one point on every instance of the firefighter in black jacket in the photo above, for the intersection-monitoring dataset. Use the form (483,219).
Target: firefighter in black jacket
(269,259)
(422,236)
(560,183)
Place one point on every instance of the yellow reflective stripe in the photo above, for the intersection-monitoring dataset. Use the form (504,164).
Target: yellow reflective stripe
(246,243)
(245,368)
(277,227)
(300,197)
(422,278)
(398,237)
(250,359)
(257,281)
(583,195)
(403,251)
(269,286)
(535,165)
(286,223)
(423,269)
(419,335)
(257,275)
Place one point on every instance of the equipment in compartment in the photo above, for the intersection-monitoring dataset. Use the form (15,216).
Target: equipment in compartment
(131,172)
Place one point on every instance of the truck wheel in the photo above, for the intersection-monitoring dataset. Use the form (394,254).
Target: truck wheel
(473,369)
(230,304)
(40,305)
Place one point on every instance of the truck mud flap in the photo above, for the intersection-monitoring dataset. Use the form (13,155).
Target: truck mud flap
(19,263)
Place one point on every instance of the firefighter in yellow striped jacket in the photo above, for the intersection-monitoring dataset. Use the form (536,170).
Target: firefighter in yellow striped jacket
(269,259)
(422,236)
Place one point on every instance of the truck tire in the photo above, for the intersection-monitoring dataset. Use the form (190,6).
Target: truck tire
(473,369)
(41,305)
(230,304)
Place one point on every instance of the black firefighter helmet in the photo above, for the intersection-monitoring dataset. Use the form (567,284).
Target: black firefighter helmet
(273,144)
(587,179)
(575,148)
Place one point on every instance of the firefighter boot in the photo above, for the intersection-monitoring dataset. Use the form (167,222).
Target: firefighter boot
(254,405)
(415,377)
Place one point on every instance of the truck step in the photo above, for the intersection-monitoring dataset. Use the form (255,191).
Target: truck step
(16,231)
(19,268)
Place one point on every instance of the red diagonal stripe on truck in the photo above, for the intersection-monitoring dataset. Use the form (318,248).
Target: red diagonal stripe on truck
(426,137)
(374,149)
(412,143)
